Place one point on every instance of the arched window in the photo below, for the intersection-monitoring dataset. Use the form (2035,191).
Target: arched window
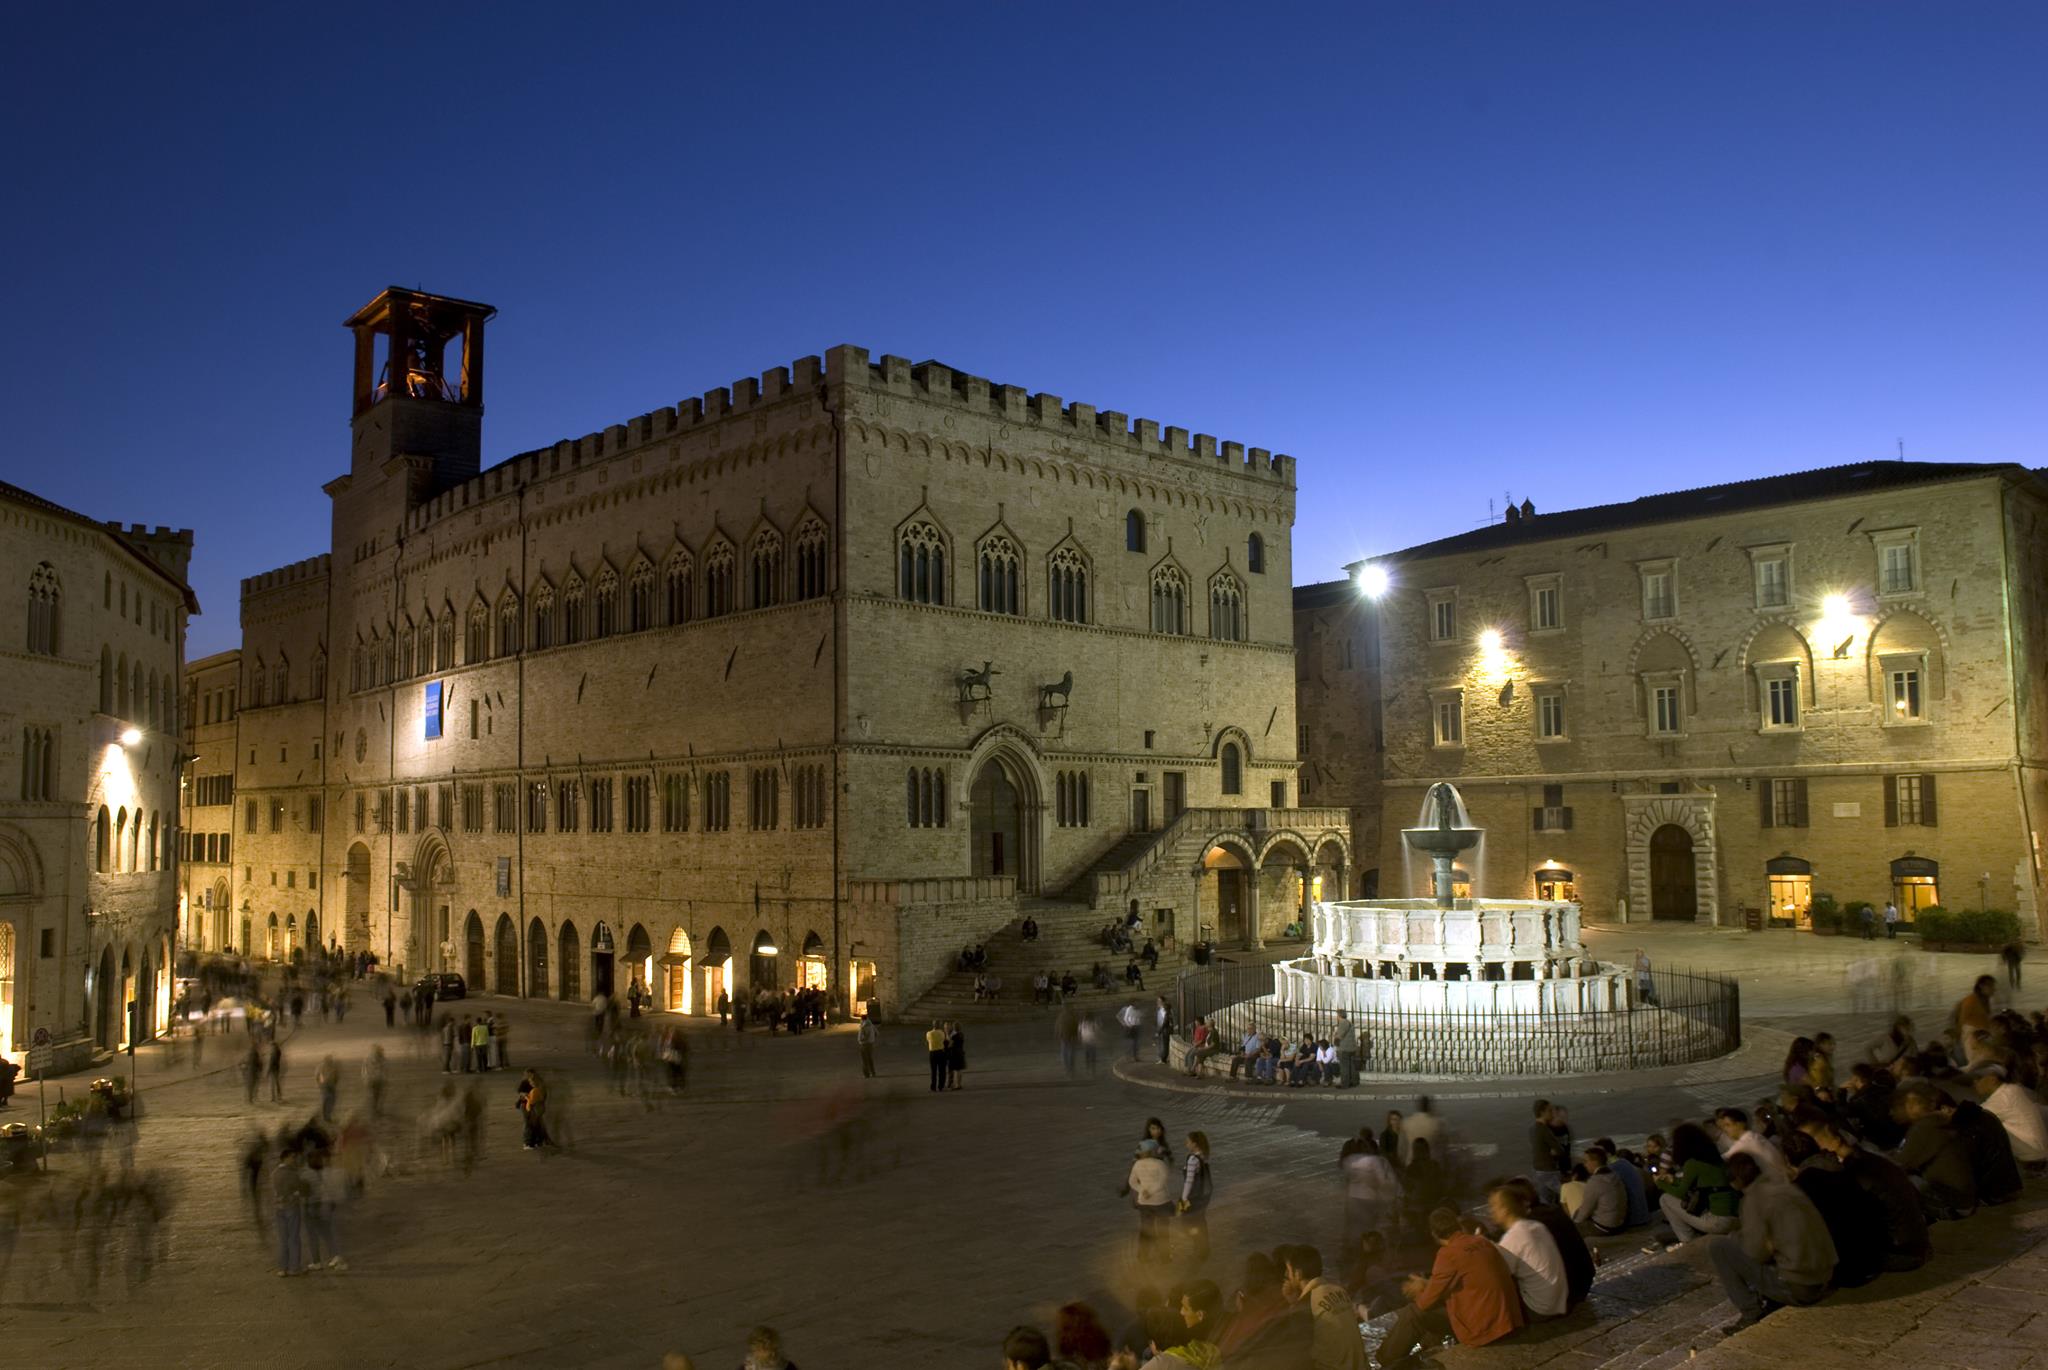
(810,559)
(44,602)
(1169,600)
(925,795)
(408,637)
(281,681)
(604,604)
(320,675)
(1255,555)
(1226,609)
(998,591)
(640,598)
(1070,793)
(675,582)
(764,569)
(355,666)
(259,685)
(718,580)
(476,635)
(149,856)
(543,618)
(1233,768)
(444,639)
(1067,586)
(921,572)
(508,624)
(120,840)
(103,837)
(575,608)
(1134,531)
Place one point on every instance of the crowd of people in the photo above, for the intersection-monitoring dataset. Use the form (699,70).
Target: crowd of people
(797,1009)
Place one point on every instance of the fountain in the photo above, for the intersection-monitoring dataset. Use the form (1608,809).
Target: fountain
(1469,986)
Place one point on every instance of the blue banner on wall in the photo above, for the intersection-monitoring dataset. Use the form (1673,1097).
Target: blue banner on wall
(433,715)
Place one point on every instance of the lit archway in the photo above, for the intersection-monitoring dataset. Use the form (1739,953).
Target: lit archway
(569,957)
(717,969)
(676,965)
(640,960)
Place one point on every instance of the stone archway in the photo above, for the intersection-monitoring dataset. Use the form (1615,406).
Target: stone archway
(1693,815)
(1006,809)
(355,918)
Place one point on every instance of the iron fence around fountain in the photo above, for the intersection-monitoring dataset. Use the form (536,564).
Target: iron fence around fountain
(1683,1018)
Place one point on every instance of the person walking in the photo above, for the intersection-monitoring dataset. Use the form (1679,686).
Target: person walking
(390,1007)
(935,1054)
(275,1070)
(252,1072)
(1162,1025)
(724,1008)
(533,1097)
(1133,1021)
(1066,1030)
(448,1044)
(1149,1186)
(287,1197)
(1549,1154)
(501,1039)
(328,1078)
(866,1035)
(324,1187)
(2011,955)
(1089,1033)
(1891,920)
(1197,1187)
(1868,918)
(374,1080)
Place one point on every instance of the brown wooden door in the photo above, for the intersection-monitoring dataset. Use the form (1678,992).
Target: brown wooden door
(1673,892)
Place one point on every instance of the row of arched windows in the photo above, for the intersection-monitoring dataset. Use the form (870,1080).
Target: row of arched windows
(1254,545)
(1070,799)
(582,610)
(925,795)
(122,843)
(127,691)
(921,557)
(45,604)
(38,763)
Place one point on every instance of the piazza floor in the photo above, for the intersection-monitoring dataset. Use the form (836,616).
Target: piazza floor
(679,1226)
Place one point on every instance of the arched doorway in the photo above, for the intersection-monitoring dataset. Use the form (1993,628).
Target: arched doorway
(601,960)
(1227,907)
(761,967)
(108,993)
(270,942)
(1674,875)
(997,809)
(677,963)
(811,968)
(313,931)
(473,951)
(569,956)
(507,956)
(247,945)
(125,997)
(536,960)
(292,949)
(355,919)
(717,968)
(6,981)
(223,934)
(640,960)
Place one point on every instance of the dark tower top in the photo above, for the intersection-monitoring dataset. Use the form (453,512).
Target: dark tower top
(419,383)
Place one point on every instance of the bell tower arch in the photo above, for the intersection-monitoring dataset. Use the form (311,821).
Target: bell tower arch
(419,385)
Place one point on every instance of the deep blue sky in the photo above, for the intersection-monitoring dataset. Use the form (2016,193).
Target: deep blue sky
(1437,251)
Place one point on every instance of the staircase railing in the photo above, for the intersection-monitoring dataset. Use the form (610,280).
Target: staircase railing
(1117,883)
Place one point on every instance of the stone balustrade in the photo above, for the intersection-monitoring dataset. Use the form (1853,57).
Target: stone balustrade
(1591,988)
(1475,939)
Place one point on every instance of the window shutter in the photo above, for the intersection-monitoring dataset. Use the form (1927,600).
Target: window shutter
(1927,800)
(1763,792)
(1799,803)
(1891,801)
(1536,818)
(1567,820)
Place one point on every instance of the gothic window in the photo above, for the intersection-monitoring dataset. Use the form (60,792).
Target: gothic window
(1233,768)
(320,675)
(1070,794)
(640,598)
(1134,531)
(355,667)
(675,580)
(259,683)
(508,624)
(1067,586)
(575,611)
(997,579)
(764,570)
(926,796)
(719,564)
(444,639)
(810,559)
(543,618)
(281,681)
(38,763)
(1226,609)
(921,554)
(406,638)
(43,603)
(1255,555)
(1169,600)
(103,836)
(604,604)
(476,642)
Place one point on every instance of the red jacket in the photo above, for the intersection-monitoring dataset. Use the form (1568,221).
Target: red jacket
(1477,1291)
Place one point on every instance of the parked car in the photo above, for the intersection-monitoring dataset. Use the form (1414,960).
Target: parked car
(447,985)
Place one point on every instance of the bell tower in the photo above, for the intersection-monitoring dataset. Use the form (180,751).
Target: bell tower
(419,386)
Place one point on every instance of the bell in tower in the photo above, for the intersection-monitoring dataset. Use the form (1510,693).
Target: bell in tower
(419,384)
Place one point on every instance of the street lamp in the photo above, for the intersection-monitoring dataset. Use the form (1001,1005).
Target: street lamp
(131,736)
(1373,580)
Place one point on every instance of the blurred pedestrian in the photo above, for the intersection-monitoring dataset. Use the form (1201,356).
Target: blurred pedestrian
(328,1078)
(287,1196)
(866,1035)
(374,1081)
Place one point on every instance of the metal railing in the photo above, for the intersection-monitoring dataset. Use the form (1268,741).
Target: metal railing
(1671,1018)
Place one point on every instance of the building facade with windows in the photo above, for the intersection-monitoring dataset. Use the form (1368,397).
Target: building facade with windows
(1722,702)
(206,824)
(811,680)
(92,636)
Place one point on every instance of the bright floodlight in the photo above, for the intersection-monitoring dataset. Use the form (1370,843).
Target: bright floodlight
(131,736)
(1490,640)
(1835,606)
(1372,581)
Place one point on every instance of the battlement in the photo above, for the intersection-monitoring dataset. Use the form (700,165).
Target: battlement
(143,532)
(1012,404)
(298,573)
(169,548)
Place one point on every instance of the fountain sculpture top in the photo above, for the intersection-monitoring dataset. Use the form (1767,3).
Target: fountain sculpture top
(1443,841)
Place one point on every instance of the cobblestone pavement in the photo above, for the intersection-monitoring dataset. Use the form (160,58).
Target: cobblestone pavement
(876,1225)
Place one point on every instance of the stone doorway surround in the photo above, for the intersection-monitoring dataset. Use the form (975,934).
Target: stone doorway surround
(1643,814)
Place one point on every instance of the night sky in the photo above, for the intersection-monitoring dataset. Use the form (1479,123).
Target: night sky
(1440,252)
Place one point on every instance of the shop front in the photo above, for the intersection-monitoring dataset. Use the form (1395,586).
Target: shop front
(1790,888)
(1916,884)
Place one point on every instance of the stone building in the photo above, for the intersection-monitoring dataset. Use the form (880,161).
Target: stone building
(206,822)
(92,634)
(1718,703)
(813,679)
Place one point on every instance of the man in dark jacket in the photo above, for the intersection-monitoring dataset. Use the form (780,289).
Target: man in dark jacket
(1854,1220)
(1990,1152)
(1890,1188)
(1935,1155)
(1571,1246)
(1549,1154)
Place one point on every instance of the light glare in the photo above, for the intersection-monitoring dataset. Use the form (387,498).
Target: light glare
(1372,581)
(131,736)
(1490,640)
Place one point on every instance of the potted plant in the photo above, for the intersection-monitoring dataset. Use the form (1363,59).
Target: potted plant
(1824,916)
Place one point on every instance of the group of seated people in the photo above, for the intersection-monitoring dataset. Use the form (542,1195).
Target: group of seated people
(1267,1060)
(1048,987)
(974,956)
(988,987)
(1121,934)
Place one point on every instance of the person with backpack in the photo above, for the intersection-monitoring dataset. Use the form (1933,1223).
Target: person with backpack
(1198,1186)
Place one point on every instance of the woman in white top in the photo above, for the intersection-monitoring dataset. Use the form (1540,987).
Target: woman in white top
(1531,1254)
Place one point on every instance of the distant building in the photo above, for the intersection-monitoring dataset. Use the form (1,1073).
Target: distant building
(92,631)
(206,919)
(812,680)
(1716,703)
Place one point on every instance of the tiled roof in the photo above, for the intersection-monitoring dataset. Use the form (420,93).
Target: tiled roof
(1792,488)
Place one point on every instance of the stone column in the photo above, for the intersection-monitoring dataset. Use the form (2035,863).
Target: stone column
(1255,935)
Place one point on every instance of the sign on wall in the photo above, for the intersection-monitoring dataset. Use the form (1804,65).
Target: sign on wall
(504,875)
(433,711)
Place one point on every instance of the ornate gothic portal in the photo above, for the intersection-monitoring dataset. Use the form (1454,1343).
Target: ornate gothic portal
(1673,871)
